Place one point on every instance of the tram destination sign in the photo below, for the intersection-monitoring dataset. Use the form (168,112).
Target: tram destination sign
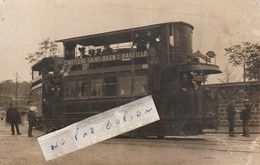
(106,58)
(99,127)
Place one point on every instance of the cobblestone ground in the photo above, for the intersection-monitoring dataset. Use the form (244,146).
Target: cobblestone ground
(213,149)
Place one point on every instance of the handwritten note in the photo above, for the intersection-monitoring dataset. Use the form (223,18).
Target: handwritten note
(99,127)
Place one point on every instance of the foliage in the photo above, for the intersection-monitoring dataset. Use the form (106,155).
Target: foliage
(248,55)
(8,87)
(8,93)
(228,75)
(47,48)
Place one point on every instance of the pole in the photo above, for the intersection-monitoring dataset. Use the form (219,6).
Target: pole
(244,68)
(16,74)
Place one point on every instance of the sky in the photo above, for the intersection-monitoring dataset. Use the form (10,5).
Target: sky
(25,23)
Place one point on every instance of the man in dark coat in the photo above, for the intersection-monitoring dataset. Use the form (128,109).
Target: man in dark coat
(186,83)
(31,117)
(13,117)
(231,113)
(245,116)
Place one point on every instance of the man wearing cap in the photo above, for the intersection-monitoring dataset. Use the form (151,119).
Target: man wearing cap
(245,116)
(231,113)
(13,117)
(31,117)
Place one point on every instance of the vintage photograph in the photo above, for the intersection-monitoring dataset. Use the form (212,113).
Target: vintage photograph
(130,82)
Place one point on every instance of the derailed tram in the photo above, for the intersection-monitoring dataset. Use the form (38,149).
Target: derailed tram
(101,71)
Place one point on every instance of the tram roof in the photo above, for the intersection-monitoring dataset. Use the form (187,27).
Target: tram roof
(206,68)
(45,62)
(119,36)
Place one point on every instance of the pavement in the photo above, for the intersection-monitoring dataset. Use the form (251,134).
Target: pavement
(238,130)
(214,148)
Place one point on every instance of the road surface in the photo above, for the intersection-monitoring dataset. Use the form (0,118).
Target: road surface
(207,149)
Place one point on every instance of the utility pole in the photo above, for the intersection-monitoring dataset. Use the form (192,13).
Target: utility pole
(244,70)
(16,76)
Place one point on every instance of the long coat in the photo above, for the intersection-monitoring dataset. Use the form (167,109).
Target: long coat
(13,116)
(245,113)
(31,114)
(231,112)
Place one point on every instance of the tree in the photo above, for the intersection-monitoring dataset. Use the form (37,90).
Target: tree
(228,75)
(53,48)
(247,55)
(47,47)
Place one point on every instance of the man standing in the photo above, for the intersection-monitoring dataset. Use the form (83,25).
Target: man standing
(245,116)
(31,117)
(13,117)
(231,112)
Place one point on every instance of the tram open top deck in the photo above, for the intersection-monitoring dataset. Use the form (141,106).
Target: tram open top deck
(166,44)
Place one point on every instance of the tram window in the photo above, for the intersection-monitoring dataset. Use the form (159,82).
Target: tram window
(125,86)
(140,85)
(71,89)
(36,95)
(171,41)
(96,88)
(110,86)
(190,39)
(177,37)
(83,88)
(36,74)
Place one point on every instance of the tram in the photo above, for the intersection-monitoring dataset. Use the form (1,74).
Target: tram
(102,71)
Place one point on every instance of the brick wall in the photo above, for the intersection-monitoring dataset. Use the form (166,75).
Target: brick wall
(238,92)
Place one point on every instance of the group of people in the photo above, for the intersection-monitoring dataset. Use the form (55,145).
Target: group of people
(107,50)
(144,41)
(141,42)
(13,117)
(244,116)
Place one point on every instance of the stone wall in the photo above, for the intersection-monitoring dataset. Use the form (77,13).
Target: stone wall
(237,91)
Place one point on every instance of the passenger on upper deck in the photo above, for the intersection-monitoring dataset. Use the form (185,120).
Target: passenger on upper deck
(107,50)
(98,52)
(82,52)
(153,40)
(91,52)
(139,42)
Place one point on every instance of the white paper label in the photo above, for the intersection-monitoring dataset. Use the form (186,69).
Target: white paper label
(99,127)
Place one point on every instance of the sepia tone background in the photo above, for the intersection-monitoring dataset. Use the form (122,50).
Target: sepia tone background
(26,23)
(217,25)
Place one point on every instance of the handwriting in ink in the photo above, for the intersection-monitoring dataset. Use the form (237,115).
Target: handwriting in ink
(53,147)
(85,134)
(138,113)
(92,130)
(76,134)
(108,125)
(148,110)
(62,142)
(125,115)
(117,122)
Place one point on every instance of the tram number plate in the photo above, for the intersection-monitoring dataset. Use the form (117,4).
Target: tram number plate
(100,127)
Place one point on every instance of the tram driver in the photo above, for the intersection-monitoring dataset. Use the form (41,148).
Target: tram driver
(186,83)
